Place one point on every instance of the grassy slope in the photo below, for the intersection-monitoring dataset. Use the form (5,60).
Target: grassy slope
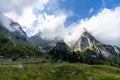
(36,70)
(10,47)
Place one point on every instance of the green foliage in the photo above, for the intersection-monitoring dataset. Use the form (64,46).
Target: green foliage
(85,56)
(60,51)
(10,47)
(73,57)
(35,70)
(56,54)
(94,47)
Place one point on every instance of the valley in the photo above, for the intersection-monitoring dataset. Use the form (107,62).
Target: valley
(38,58)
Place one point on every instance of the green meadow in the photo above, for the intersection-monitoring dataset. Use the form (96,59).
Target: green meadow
(40,69)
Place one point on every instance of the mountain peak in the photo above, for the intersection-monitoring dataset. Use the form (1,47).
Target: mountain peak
(60,51)
(13,28)
(62,45)
(85,41)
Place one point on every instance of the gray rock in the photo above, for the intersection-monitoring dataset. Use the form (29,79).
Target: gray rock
(85,41)
(60,61)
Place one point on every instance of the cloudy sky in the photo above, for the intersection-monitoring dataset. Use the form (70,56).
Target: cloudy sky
(65,19)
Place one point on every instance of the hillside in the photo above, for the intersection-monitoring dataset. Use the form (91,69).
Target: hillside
(60,51)
(11,47)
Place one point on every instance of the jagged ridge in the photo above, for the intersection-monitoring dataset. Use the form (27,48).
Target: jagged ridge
(85,41)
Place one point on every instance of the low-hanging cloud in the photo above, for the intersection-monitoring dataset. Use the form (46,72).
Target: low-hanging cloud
(19,5)
(21,11)
(105,27)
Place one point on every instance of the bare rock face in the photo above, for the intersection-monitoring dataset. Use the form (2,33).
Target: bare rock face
(117,49)
(92,47)
(85,41)
(105,51)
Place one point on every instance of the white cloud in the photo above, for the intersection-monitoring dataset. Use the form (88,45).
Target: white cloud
(52,26)
(26,19)
(18,6)
(22,12)
(105,26)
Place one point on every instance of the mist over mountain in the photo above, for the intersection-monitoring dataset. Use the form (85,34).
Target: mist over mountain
(40,40)
(14,44)
(57,21)
(59,39)
(12,28)
(86,49)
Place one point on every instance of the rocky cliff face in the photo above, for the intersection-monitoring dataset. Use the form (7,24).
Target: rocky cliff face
(105,51)
(85,41)
(88,44)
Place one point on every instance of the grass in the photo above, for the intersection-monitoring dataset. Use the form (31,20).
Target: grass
(11,47)
(35,69)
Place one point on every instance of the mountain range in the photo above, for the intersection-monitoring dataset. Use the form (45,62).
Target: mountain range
(85,42)
(15,43)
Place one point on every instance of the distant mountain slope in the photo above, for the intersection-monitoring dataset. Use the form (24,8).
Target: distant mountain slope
(18,32)
(13,28)
(40,40)
(10,46)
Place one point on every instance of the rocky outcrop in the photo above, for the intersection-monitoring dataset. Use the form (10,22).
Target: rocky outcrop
(91,47)
(85,41)
(105,51)
(60,51)
(61,45)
